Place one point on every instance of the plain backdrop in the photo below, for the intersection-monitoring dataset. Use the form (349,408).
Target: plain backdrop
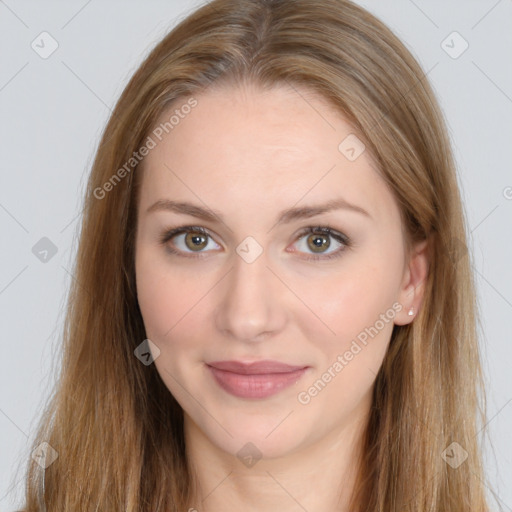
(54,107)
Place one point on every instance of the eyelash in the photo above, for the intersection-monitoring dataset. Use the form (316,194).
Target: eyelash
(322,230)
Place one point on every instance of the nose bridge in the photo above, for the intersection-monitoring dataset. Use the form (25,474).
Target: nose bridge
(250,304)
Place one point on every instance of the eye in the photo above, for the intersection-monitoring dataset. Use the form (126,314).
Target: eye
(319,242)
(188,239)
(323,242)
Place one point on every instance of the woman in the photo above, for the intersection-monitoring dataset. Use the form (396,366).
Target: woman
(273,306)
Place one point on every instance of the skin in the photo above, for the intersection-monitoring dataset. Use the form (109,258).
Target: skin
(249,154)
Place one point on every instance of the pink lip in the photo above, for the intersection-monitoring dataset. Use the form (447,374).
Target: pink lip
(255,380)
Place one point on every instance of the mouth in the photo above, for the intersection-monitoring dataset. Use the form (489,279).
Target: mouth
(260,379)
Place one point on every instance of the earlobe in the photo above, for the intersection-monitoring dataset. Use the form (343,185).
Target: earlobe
(415,276)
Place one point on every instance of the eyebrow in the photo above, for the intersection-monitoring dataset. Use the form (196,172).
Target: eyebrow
(286,216)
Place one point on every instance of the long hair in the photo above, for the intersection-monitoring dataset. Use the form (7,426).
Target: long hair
(116,429)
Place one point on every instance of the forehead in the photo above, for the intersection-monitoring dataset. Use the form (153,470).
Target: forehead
(248,148)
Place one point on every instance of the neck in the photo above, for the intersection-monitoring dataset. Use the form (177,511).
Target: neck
(317,477)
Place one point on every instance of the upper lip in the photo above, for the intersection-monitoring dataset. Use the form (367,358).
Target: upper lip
(255,368)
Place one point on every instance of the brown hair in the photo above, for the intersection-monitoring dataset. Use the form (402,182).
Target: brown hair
(116,428)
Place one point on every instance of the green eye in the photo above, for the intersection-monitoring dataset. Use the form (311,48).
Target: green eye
(188,239)
(317,243)
(195,241)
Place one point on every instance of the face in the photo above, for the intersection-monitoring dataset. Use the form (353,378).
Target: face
(261,240)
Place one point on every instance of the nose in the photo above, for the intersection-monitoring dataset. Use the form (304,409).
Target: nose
(252,301)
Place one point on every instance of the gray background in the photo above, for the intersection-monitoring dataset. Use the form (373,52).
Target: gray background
(53,111)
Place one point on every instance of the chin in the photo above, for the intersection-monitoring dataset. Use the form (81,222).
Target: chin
(254,436)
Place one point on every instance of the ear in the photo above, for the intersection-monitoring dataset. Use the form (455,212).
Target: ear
(413,284)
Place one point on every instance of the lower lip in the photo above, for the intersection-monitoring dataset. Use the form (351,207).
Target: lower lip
(255,386)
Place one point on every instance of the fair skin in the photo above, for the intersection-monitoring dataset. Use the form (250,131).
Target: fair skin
(249,154)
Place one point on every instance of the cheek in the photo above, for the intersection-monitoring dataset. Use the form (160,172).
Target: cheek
(355,306)
(170,312)
(164,300)
(346,303)
(350,343)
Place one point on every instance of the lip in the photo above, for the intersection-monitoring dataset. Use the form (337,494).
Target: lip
(259,379)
